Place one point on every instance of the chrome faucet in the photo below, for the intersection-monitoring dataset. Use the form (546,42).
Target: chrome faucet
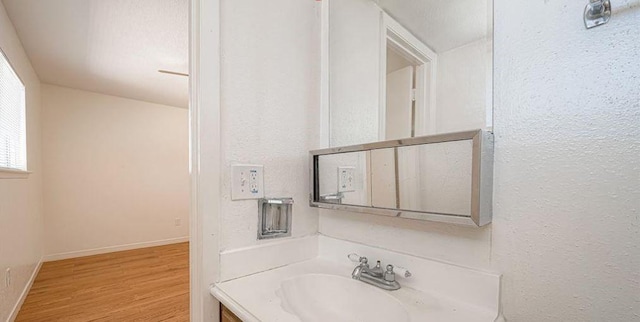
(384,279)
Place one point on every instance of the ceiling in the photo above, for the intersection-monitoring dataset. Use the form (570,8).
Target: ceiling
(115,47)
(442,24)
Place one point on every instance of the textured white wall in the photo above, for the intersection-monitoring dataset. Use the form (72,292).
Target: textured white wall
(354,50)
(270,107)
(462,89)
(566,228)
(461,245)
(21,214)
(116,170)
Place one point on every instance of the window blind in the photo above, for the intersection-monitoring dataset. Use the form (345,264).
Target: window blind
(13,138)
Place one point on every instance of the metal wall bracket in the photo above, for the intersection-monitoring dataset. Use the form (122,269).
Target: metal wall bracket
(274,217)
(596,13)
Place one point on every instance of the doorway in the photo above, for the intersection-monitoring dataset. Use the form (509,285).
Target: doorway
(113,96)
(407,83)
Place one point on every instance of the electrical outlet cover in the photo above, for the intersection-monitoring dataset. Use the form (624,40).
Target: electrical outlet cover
(346,179)
(247,182)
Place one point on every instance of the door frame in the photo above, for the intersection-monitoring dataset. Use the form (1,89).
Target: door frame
(426,61)
(204,156)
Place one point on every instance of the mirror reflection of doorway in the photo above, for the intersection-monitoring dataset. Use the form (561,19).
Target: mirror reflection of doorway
(400,105)
(408,84)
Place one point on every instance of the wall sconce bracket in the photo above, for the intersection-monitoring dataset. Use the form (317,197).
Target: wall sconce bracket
(596,13)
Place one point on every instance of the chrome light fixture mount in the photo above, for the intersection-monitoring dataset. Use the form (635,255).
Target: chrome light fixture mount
(596,13)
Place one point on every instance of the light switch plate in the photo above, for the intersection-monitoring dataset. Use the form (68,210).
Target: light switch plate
(346,179)
(247,182)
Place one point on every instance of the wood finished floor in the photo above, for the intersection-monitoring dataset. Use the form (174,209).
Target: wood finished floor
(148,284)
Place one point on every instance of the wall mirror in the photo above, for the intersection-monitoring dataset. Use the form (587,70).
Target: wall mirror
(407,68)
(442,177)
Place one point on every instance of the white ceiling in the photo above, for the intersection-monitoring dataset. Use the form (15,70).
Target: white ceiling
(115,47)
(442,24)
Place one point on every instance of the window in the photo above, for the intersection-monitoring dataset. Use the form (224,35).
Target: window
(13,138)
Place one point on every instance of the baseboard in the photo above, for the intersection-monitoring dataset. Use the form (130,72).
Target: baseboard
(25,292)
(111,249)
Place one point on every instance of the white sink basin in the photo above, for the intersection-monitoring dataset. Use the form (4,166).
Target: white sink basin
(319,297)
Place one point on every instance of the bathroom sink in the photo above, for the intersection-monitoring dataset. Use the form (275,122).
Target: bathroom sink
(319,297)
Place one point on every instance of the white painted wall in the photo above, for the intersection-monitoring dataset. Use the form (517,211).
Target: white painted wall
(463,87)
(354,50)
(461,245)
(566,230)
(116,171)
(21,214)
(383,178)
(270,106)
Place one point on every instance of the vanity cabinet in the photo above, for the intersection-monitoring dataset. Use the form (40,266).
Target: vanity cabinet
(227,316)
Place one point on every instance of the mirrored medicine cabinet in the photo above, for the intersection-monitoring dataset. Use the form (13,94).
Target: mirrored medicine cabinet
(444,177)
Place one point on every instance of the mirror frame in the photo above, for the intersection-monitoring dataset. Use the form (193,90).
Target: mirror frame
(481,181)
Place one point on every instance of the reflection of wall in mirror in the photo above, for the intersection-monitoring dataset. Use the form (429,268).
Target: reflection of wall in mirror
(328,177)
(395,61)
(353,77)
(383,178)
(463,82)
(399,116)
(461,96)
(409,179)
(436,177)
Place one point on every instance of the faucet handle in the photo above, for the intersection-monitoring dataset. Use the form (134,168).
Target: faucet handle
(357,259)
(389,275)
(403,272)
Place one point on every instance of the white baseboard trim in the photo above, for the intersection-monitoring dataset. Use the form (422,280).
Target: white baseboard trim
(25,292)
(111,249)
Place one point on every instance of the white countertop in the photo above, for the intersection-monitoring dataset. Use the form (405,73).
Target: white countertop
(254,297)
